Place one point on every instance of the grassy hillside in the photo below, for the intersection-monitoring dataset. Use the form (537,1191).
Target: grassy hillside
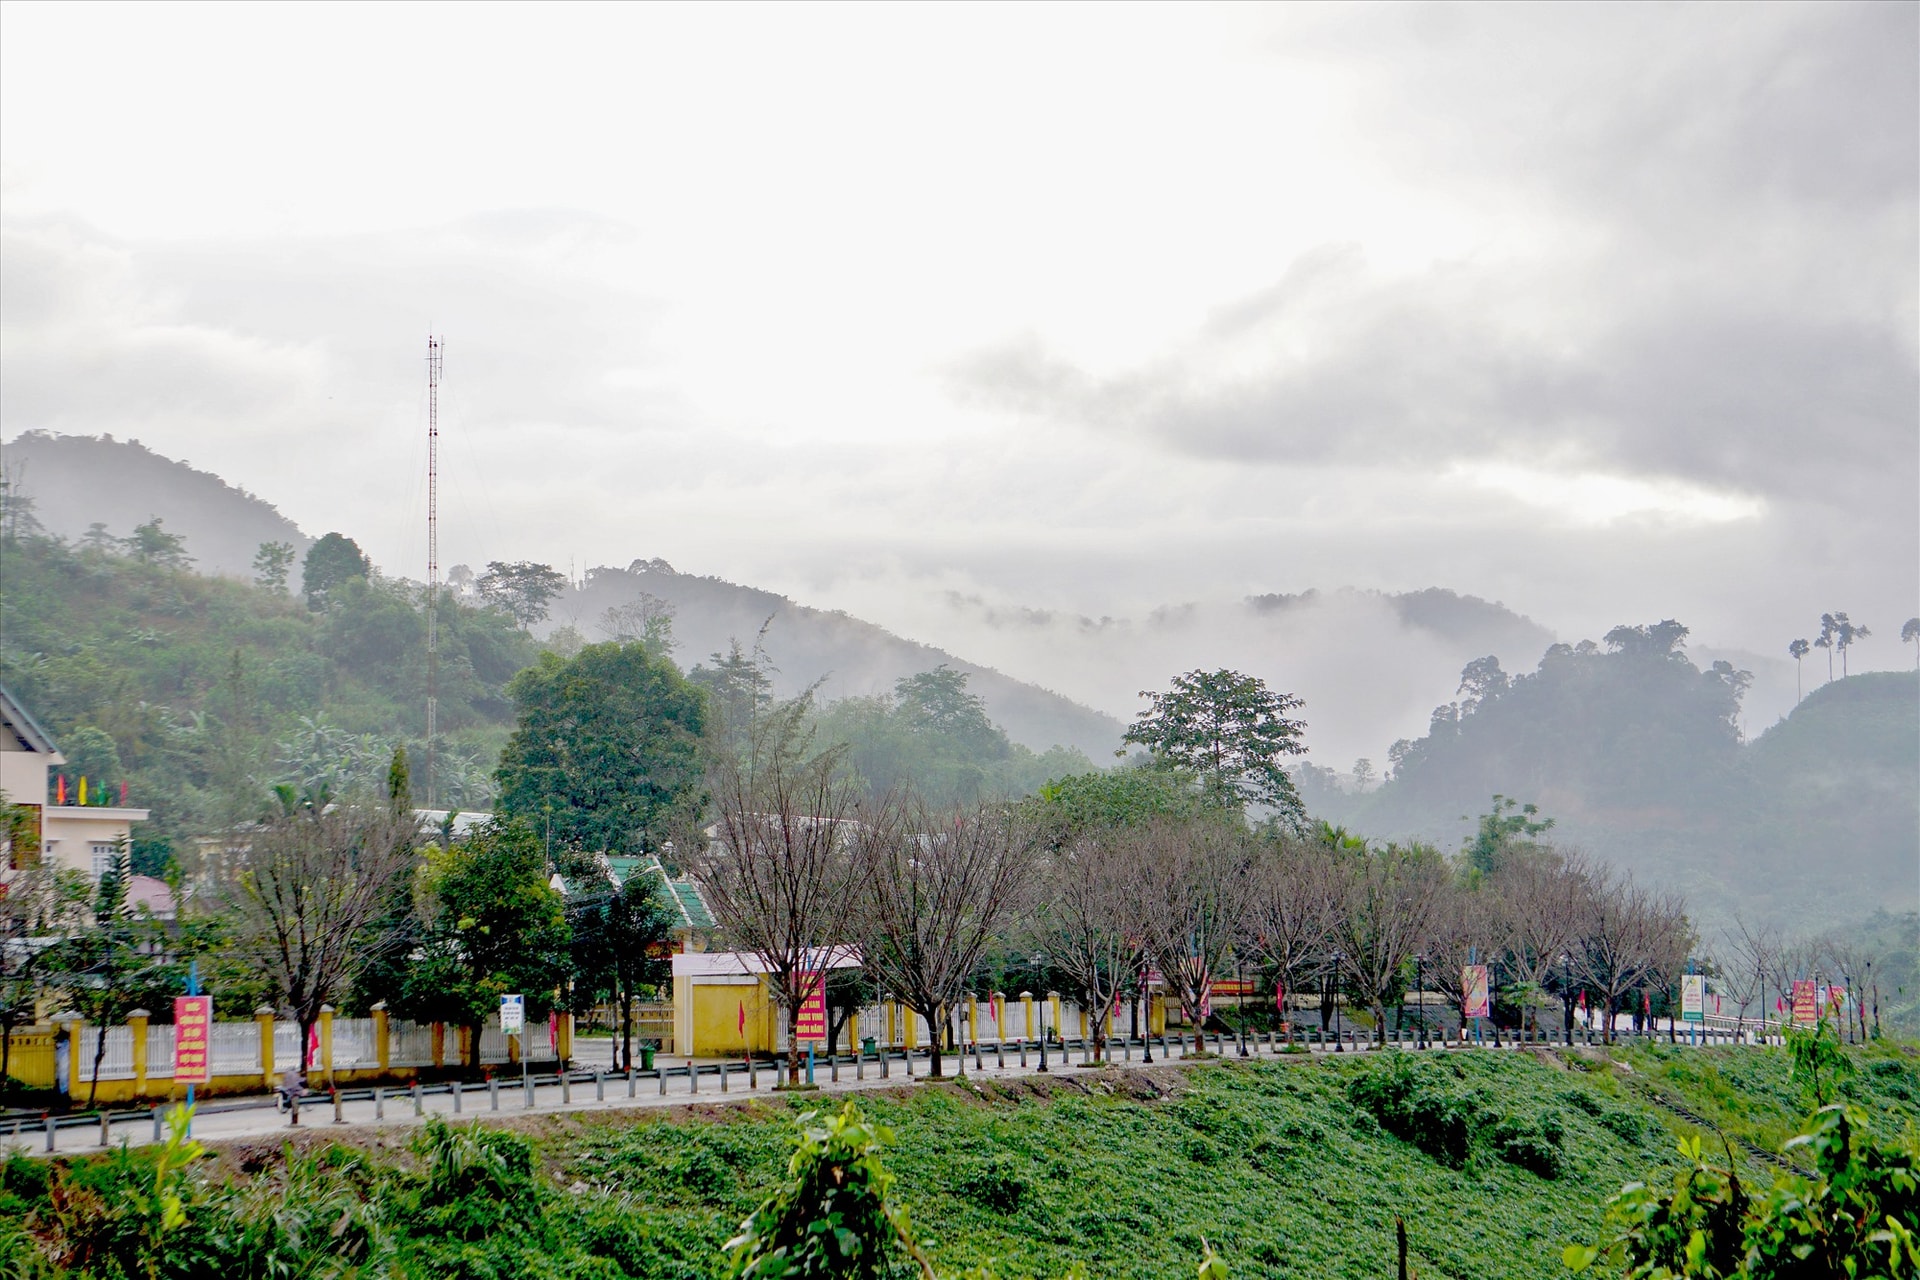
(1285,1167)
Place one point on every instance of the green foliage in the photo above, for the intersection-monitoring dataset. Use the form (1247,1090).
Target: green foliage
(491,925)
(832,1219)
(522,589)
(271,564)
(1124,797)
(1819,1063)
(933,735)
(1857,1215)
(606,755)
(333,560)
(1502,831)
(1232,732)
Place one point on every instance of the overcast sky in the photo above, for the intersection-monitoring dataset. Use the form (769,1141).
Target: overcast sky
(1608,312)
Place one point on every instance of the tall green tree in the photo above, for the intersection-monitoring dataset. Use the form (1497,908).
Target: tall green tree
(621,940)
(1910,634)
(740,688)
(1507,827)
(521,588)
(1230,730)
(1797,650)
(334,559)
(491,925)
(151,544)
(271,564)
(607,752)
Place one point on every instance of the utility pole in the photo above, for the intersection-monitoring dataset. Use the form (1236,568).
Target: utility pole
(435,349)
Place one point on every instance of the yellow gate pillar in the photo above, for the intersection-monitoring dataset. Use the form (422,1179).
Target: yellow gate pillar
(137,1027)
(326,1041)
(263,1019)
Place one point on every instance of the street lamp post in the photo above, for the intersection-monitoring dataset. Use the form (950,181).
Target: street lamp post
(1420,995)
(1039,959)
(1146,998)
(1240,978)
(1566,991)
(1332,998)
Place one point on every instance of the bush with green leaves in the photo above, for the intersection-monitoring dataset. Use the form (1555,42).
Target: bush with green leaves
(1858,1215)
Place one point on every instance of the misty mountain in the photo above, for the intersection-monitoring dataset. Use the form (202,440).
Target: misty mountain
(848,657)
(1636,753)
(76,481)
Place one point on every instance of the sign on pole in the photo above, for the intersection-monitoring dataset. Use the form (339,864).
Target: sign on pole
(813,1008)
(192,1031)
(1478,1001)
(1693,998)
(513,1014)
(1806,1009)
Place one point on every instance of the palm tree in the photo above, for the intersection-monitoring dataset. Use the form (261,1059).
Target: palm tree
(1910,634)
(1799,650)
(1829,629)
(1845,633)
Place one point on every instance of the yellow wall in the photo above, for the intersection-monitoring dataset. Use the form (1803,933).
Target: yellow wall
(716,1019)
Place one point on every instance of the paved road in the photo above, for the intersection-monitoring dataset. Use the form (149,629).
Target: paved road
(235,1119)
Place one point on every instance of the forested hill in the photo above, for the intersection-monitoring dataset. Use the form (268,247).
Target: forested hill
(76,481)
(853,658)
(1636,754)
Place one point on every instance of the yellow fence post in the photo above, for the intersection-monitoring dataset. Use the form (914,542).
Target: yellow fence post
(382,1040)
(137,1029)
(1059,1029)
(1026,1003)
(326,1040)
(263,1019)
(565,1037)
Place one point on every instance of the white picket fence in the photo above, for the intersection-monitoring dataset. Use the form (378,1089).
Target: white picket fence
(233,1048)
(356,1045)
(117,1063)
(160,1051)
(409,1044)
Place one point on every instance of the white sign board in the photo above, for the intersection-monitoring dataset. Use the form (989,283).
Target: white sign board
(513,1014)
(1693,998)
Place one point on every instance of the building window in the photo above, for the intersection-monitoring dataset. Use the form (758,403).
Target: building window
(103,851)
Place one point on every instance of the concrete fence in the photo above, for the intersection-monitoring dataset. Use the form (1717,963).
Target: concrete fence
(249,1056)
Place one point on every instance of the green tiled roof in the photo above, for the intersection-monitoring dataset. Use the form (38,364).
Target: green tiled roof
(681,893)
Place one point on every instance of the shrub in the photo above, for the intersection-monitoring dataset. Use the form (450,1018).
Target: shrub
(998,1184)
(1534,1146)
(1436,1122)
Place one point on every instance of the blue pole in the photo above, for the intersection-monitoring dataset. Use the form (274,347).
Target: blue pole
(193,989)
(809,1062)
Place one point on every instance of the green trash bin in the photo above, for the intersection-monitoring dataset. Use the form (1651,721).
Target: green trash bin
(646,1057)
(867,1045)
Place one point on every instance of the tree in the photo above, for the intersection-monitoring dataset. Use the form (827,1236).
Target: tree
(1193,884)
(1086,921)
(1383,912)
(937,703)
(304,892)
(1287,920)
(1538,902)
(780,870)
(334,559)
(492,925)
(1629,934)
(1232,732)
(41,901)
(739,687)
(1846,633)
(935,888)
(621,939)
(1910,634)
(606,754)
(1502,831)
(521,589)
(646,620)
(271,564)
(150,544)
(1797,650)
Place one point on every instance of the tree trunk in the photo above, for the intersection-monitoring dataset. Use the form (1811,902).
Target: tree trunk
(6,1049)
(473,1046)
(99,1053)
(937,1029)
(306,1038)
(793,1042)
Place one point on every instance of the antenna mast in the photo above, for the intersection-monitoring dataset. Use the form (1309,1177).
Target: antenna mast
(434,351)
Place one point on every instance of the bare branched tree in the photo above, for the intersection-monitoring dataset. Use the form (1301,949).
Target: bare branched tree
(1287,918)
(1193,882)
(936,887)
(1538,905)
(1631,937)
(1085,919)
(304,894)
(780,872)
(1383,914)
(1747,952)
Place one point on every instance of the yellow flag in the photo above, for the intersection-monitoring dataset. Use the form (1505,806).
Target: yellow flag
(83,792)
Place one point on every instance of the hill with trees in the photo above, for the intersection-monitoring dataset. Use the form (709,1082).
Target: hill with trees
(1636,753)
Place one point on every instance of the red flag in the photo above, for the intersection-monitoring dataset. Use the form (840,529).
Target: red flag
(123,795)
(60,790)
(1583,1002)
(1646,1002)
(1280,999)
(743,1017)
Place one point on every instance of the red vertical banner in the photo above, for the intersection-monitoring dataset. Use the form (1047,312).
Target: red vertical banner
(192,1036)
(1806,1008)
(813,1007)
(1476,1000)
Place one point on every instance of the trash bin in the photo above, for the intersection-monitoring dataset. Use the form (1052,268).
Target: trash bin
(646,1057)
(867,1045)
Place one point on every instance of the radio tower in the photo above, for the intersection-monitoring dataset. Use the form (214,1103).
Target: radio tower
(434,351)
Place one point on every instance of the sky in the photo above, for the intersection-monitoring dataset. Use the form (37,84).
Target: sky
(936,312)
